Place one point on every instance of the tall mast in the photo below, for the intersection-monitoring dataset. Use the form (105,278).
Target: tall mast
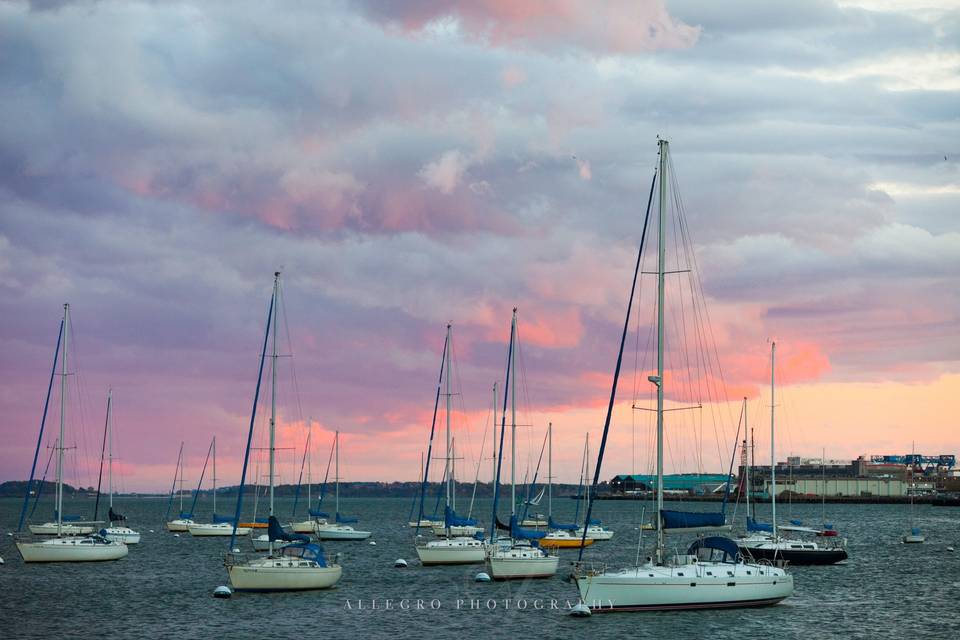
(513,425)
(493,453)
(63,408)
(336,472)
(773,459)
(661,284)
(181,477)
(214,478)
(110,444)
(273,389)
(549,471)
(446,376)
(747,455)
(310,463)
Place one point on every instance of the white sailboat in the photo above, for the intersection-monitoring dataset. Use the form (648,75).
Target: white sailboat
(299,566)
(181,522)
(561,535)
(340,528)
(220,527)
(116,532)
(453,548)
(425,522)
(916,535)
(765,542)
(595,529)
(712,574)
(520,558)
(64,547)
(305,526)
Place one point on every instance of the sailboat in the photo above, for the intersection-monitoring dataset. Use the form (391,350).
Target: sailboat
(184,519)
(763,541)
(304,526)
(424,522)
(561,535)
(65,547)
(594,528)
(116,532)
(294,567)
(519,556)
(712,573)
(220,526)
(915,536)
(452,548)
(340,528)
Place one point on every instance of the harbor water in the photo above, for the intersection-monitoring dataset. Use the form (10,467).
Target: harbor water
(163,587)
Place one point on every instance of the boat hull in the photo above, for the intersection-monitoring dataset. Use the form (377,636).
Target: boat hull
(262,543)
(71,550)
(50,529)
(334,532)
(276,574)
(797,557)
(636,590)
(466,551)
(121,534)
(466,531)
(565,543)
(179,526)
(521,564)
(305,526)
(912,539)
(210,530)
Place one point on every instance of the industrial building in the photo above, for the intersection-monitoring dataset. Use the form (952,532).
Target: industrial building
(681,483)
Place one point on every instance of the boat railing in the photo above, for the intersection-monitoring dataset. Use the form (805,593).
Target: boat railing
(584,568)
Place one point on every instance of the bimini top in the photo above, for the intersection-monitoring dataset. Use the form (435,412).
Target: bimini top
(305,551)
(729,548)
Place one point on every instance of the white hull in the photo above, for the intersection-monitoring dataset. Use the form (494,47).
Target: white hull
(282,574)
(304,526)
(121,534)
(451,551)
(533,522)
(220,529)
(702,585)
(50,529)
(71,550)
(262,543)
(912,539)
(340,532)
(426,524)
(457,532)
(179,525)
(520,562)
(596,533)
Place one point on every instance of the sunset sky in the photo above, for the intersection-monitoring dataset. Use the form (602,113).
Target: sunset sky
(410,164)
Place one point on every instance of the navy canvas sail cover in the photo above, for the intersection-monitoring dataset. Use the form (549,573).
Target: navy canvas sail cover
(316,513)
(305,551)
(725,545)
(553,524)
(451,519)
(690,519)
(276,532)
(501,526)
(66,518)
(346,519)
(222,519)
(115,517)
(593,521)
(519,533)
(186,515)
(753,525)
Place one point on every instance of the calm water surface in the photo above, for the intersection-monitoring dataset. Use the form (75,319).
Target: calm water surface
(163,587)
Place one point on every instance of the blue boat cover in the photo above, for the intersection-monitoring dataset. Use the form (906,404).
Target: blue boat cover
(276,532)
(319,514)
(345,519)
(451,519)
(915,531)
(115,517)
(753,525)
(66,518)
(186,516)
(519,533)
(731,553)
(690,519)
(306,551)
(797,523)
(594,521)
(827,526)
(222,519)
(553,524)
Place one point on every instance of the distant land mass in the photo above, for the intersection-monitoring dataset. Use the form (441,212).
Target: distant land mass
(347,490)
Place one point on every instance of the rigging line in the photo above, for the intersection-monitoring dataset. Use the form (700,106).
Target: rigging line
(464,424)
(616,374)
(433,424)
